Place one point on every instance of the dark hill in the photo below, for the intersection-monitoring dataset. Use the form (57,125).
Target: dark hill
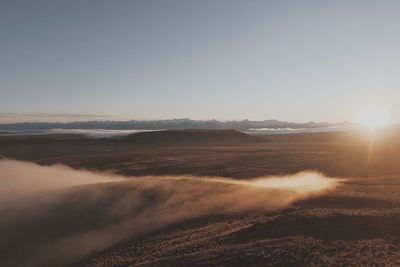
(188,136)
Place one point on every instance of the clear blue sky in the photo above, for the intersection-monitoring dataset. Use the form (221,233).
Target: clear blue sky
(288,60)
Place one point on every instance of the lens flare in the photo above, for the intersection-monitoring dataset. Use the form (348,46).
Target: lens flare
(374,117)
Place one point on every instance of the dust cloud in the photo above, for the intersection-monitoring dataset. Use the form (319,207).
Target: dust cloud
(57,216)
(21,179)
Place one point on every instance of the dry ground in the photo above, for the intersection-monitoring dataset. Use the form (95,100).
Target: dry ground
(357,224)
(338,154)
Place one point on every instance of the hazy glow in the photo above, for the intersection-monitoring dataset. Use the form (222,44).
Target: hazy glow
(374,117)
(31,194)
(301,182)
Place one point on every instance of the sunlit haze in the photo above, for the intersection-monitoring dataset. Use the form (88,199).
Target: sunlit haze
(374,117)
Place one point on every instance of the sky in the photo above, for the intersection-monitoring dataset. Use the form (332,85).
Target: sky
(210,59)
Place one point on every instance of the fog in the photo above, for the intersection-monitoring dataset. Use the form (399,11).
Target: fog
(287,130)
(21,179)
(92,133)
(56,216)
(98,133)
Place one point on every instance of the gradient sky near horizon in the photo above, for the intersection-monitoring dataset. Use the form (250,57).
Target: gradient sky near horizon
(223,59)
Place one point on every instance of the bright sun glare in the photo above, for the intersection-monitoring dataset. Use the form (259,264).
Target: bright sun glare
(374,117)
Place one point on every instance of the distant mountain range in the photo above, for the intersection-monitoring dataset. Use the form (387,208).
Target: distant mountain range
(170,125)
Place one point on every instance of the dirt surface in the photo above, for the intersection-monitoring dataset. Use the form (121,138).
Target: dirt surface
(356,224)
(347,227)
(339,154)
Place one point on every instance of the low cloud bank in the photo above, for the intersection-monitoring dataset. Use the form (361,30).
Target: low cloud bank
(336,128)
(93,133)
(98,133)
(55,216)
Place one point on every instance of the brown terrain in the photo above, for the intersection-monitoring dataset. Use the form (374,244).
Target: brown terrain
(354,224)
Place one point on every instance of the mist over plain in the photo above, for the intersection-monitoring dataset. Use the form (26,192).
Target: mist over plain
(56,216)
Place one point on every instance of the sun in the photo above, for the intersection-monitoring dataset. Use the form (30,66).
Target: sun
(374,117)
